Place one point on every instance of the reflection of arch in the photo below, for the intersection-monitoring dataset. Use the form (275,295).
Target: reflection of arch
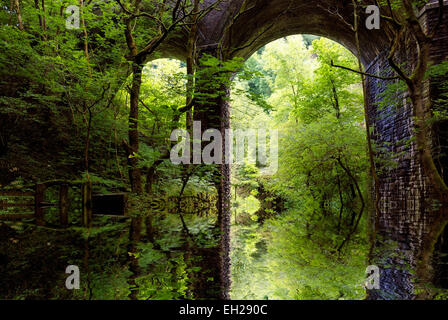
(441,260)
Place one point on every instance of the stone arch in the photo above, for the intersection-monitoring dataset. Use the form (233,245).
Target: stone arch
(240,27)
(266,21)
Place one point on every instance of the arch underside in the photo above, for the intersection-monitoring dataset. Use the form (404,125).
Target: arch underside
(240,27)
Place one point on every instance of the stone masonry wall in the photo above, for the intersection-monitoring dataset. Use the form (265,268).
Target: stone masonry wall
(406,204)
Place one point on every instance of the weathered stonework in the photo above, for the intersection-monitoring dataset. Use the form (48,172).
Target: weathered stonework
(407,202)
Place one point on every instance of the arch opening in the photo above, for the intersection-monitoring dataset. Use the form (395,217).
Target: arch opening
(314,108)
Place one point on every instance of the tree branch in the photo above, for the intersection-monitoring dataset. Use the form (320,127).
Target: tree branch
(364,73)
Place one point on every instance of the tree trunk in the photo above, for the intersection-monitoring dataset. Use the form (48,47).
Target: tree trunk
(135,174)
(86,38)
(19,15)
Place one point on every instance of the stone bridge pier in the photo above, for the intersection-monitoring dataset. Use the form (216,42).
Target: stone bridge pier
(407,208)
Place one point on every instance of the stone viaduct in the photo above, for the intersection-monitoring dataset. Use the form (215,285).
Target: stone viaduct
(240,27)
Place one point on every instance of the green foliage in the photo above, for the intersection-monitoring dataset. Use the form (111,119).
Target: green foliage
(439,76)
(49,86)
(304,265)
(250,274)
(245,177)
